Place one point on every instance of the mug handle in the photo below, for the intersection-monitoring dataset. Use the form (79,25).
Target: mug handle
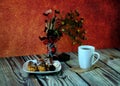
(98,57)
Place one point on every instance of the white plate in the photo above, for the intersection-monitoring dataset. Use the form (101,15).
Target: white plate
(56,63)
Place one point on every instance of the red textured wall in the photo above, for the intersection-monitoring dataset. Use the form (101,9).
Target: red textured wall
(21,22)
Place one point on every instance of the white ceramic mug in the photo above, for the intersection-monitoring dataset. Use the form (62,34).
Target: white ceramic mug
(86,56)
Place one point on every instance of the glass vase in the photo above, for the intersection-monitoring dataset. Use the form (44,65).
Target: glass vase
(51,49)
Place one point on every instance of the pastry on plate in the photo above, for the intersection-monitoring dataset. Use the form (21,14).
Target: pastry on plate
(42,66)
(32,66)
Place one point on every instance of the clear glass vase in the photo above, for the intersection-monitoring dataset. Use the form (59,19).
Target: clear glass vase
(51,49)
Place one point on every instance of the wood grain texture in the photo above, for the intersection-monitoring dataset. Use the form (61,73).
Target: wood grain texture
(12,74)
(106,72)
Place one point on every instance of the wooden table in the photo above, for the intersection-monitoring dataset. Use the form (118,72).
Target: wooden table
(105,73)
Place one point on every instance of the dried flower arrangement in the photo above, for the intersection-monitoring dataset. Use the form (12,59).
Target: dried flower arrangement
(56,24)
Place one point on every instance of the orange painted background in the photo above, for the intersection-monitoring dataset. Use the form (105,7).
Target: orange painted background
(22,22)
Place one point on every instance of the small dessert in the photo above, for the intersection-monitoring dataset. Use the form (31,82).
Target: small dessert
(42,66)
(32,66)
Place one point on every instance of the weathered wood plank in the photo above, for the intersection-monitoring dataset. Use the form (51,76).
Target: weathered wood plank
(106,72)
(100,77)
(103,74)
(63,78)
(111,53)
(115,64)
(12,75)
(113,59)
(106,59)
